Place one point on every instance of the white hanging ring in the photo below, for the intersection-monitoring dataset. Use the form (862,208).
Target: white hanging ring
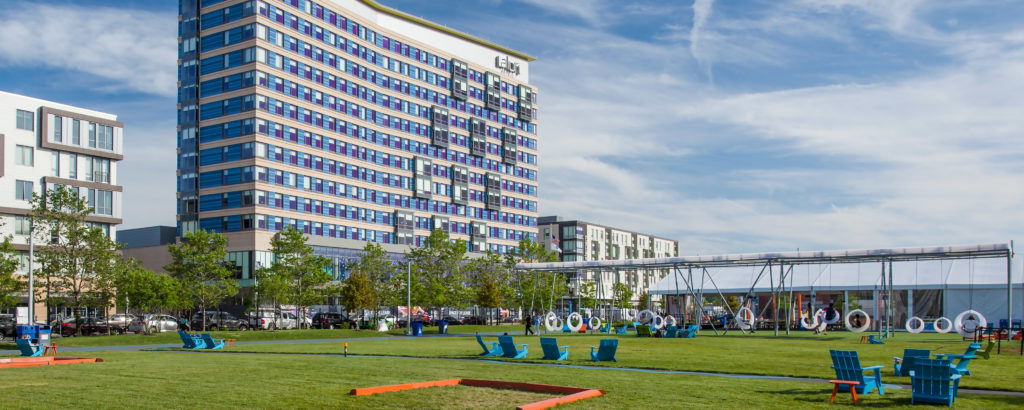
(834,320)
(743,322)
(551,322)
(812,324)
(670,320)
(959,324)
(645,316)
(579,322)
(594,326)
(914,329)
(865,326)
(942,329)
(658,322)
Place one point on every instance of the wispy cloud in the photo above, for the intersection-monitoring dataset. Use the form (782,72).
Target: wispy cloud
(129,49)
(701,12)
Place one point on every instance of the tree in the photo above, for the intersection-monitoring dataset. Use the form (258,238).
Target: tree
(78,259)
(641,302)
(528,251)
(486,277)
(9,285)
(588,293)
(305,273)
(438,271)
(357,293)
(622,294)
(379,270)
(143,290)
(198,263)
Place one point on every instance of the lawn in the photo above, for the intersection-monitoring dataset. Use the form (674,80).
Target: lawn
(178,380)
(172,338)
(799,355)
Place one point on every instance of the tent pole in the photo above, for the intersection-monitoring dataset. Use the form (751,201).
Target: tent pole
(789,313)
(727,307)
(1009,286)
(775,299)
(704,273)
(892,307)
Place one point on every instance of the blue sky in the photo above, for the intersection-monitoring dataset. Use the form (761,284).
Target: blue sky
(729,126)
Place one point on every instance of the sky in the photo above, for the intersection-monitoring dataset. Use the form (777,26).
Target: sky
(730,126)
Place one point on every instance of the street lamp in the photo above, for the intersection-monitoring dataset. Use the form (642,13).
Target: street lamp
(31,279)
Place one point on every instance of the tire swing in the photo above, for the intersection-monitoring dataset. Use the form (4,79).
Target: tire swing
(825,323)
(942,329)
(594,326)
(958,323)
(579,322)
(645,316)
(914,329)
(552,322)
(742,321)
(670,321)
(865,326)
(810,325)
(658,322)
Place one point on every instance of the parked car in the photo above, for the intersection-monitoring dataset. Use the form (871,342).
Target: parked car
(330,320)
(89,326)
(154,324)
(474,320)
(271,320)
(218,320)
(416,318)
(450,319)
(7,328)
(122,320)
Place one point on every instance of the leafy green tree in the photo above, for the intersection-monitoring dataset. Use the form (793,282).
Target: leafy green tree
(78,260)
(198,263)
(272,287)
(357,293)
(519,290)
(641,302)
(143,290)
(438,271)
(588,292)
(306,273)
(733,302)
(10,286)
(486,276)
(623,295)
(379,270)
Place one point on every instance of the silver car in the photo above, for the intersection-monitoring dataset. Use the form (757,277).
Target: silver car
(154,324)
(121,320)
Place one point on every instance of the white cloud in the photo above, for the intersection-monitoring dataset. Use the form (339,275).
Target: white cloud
(129,49)
(701,12)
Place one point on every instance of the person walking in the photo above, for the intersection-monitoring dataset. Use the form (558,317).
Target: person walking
(529,325)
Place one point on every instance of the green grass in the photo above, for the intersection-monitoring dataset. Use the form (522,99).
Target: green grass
(799,355)
(207,380)
(172,337)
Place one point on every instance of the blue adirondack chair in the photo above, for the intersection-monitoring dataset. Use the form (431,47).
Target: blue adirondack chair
(903,365)
(552,351)
(643,331)
(606,328)
(872,340)
(671,331)
(191,342)
(605,352)
(621,330)
(847,366)
(29,349)
(212,343)
(565,328)
(934,381)
(510,348)
(493,350)
(689,332)
(963,359)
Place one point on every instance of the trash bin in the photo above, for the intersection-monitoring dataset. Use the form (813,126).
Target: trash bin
(442,327)
(43,335)
(417,328)
(31,331)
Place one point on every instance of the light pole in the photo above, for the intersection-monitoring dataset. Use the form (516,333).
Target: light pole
(31,279)
(408,300)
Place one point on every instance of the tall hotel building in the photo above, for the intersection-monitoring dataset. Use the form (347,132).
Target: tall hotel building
(45,144)
(351,122)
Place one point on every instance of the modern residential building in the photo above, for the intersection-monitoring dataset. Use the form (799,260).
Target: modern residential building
(576,240)
(148,245)
(352,122)
(44,144)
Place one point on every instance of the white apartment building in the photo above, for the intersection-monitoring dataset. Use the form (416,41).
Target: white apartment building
(584,241)
(45,144)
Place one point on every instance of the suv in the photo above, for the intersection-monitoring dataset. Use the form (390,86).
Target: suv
(156,324)
(327,320)
(217,320)
(7,326)
(269,320)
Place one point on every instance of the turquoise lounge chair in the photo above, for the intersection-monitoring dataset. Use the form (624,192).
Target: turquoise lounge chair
(191,342)
(565,328)
(643,331)
(212,343)
(621,330)
(493,350)
(934,381)
(671,331)
(510,348)
(872,340)
(29,349)
(689,332)
(606,328)
(847,366)
(552,351)
(903,365)
(605,352)
(964,359)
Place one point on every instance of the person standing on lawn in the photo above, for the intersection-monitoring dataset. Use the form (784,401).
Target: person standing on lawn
(529,325)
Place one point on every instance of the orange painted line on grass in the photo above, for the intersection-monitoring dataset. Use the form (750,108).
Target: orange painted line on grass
(521,386)
(43,361)
(399,387)
(549,403)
